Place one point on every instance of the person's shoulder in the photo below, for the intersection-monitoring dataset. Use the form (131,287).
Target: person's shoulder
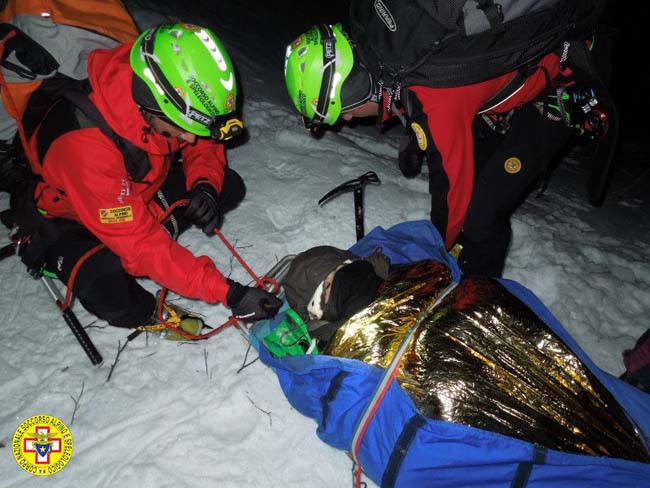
(86,150)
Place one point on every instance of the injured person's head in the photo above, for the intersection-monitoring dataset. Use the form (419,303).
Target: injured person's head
(332,284)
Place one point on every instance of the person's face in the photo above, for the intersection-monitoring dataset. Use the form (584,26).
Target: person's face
(168,130)
(368,109)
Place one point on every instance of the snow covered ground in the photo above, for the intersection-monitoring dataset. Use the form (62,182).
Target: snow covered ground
(184,415)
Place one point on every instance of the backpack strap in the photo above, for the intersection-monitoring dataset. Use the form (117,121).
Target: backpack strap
(493,12)
(135,159)
(515,84)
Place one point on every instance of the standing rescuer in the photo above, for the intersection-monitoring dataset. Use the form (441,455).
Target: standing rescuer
(170,97)
(478,174)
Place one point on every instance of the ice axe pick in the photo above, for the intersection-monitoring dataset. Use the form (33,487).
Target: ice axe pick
(356,186)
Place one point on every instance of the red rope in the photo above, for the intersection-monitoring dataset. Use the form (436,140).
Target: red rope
(84,257)
(266,282)
(73,274)
(169,326)
(258,282)
(356,470)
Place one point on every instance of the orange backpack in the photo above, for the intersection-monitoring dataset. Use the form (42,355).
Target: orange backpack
(109,18)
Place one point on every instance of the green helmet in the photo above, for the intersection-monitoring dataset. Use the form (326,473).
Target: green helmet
(316,65)
(189,73)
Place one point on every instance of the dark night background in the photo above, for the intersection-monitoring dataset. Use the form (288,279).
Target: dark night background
(617,45)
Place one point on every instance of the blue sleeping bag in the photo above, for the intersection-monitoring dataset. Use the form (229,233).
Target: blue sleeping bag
(401,447)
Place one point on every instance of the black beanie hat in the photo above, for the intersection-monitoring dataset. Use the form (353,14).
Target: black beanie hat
(357,87)
(354,286)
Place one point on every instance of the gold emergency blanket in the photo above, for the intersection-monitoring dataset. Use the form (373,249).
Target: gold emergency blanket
(482,358)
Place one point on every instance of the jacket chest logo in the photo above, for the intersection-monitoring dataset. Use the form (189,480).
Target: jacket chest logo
(116,215)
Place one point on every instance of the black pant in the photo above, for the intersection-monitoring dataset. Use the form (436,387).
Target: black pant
(102,285)
(507,167)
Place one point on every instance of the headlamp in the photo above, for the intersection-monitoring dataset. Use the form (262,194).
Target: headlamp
(225,127)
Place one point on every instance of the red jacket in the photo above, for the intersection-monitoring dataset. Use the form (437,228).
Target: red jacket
(85,179)
(445,116)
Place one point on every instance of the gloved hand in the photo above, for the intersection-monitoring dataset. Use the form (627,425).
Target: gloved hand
(251,304)
(410,156)
(29,53)
(204,209)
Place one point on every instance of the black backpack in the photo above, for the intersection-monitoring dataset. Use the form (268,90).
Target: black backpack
(447,43)
(60,105)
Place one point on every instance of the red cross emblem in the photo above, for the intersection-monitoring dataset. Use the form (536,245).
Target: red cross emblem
(42,444)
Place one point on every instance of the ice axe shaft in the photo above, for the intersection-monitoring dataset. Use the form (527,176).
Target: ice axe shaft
(8,250)
(356,185)
(68,315)
(74,324)
(358,212)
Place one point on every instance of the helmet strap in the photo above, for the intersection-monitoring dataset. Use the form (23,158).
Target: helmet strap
(328,41)
(146,113)
(143,97)
(377,93)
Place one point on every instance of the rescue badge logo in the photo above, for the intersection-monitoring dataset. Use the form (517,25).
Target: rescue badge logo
(512,165)
(230,102)
(297,42)
(191,27)
(42,445)
(116,215)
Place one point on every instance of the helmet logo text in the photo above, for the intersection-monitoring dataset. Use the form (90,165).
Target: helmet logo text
(329,50)
(199,117)
(203,97)
(385,15)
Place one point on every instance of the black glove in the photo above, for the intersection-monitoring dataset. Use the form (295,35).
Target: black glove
(410,156)
(204,209)
(29,53)
(251,304)
(35,231)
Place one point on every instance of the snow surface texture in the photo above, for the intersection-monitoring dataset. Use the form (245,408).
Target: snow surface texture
(183,415)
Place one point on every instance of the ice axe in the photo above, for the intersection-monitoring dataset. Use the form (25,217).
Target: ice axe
(68,315)
(356,186)
(71,319)
(8,250)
